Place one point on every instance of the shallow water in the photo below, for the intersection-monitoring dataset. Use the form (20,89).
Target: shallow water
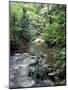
(19,71)
(19,62)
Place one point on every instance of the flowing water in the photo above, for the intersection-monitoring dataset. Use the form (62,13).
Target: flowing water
(19,62)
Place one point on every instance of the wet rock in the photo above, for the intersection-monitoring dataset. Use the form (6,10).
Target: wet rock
(25,82)
(52,74)
(17,54)
(45,66)
(46,83)
(33,57)
(63,82)
(38,40)
(23,56)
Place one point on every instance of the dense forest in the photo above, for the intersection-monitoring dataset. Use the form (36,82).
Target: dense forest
(39,29)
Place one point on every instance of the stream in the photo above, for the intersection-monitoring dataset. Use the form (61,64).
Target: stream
(19,62)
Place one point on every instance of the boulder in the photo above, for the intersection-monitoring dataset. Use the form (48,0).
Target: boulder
(63,82)
(46,83)
(52,74)
(38,40)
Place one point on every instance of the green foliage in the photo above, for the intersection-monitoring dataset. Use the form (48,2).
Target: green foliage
(54,33)
(29,20)
(59,55)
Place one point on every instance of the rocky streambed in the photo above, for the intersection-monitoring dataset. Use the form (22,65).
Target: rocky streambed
(34,68)
(18,72)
